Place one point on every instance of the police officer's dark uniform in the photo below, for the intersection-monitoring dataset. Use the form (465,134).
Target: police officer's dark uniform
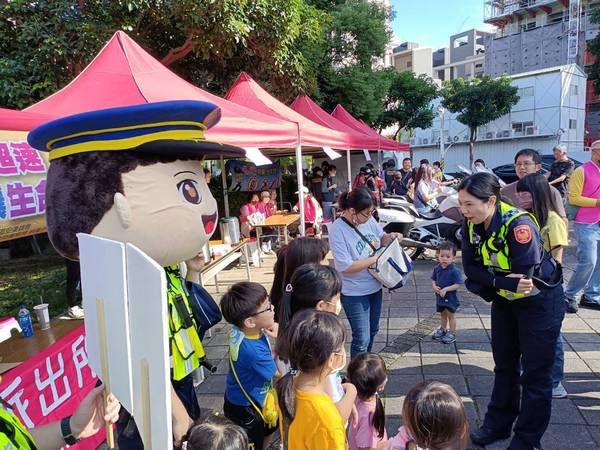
(524,327)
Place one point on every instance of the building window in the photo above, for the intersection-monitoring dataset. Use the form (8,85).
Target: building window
(572,124)
(525,92)
(478,66)
(460,41)
(522,128)
(408,64)
(574,90)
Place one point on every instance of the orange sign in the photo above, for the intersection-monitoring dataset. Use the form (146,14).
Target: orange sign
(22,187)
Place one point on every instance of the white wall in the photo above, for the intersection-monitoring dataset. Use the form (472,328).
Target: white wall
(550,108)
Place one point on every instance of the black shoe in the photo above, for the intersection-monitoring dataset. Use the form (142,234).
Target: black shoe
(585,302)
(572,305)
(482,436)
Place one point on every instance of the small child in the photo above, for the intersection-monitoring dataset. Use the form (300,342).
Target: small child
(215,432)
(368,374)
(446,280)
(316,349)
(434,419)
(251,366)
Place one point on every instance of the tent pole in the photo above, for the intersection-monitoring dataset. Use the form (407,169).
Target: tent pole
(224,184)
(300,175)
(349,170)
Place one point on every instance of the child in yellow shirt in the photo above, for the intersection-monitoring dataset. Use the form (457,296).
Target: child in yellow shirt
(316,349)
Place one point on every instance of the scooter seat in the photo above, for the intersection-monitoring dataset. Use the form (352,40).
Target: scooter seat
(431,215)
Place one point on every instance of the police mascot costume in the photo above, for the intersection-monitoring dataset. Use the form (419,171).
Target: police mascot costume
(133,174)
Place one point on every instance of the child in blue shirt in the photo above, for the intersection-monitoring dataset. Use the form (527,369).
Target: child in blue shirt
(251,366)
(446,280)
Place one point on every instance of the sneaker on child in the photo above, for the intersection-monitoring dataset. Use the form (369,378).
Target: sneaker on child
(439,334)
(448,338)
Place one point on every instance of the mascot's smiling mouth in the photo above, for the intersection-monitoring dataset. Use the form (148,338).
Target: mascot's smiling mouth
(209,223)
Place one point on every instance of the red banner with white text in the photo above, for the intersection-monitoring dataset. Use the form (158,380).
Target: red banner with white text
(51,385)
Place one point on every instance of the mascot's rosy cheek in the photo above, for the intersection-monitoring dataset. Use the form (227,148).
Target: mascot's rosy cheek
(166,209)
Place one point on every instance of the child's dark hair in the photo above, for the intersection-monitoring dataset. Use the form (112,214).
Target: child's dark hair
(302,250)
(367,372)
(309,284)
(241,301)
(435,417)
(215,432)
(447,245)
(315,336)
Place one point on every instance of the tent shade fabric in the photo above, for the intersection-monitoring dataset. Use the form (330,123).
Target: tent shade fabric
(304,105)
(247,92)
(11,120)
(341,114)
(123,74)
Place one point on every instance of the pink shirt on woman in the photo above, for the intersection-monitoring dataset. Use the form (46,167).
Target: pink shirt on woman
(362,434)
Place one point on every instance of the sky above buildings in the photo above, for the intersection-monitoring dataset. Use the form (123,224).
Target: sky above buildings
(430,23)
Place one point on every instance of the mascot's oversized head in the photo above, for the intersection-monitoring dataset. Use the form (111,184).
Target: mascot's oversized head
(132,174)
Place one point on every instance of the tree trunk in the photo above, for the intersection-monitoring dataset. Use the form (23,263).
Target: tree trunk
(175,54)
(472,138)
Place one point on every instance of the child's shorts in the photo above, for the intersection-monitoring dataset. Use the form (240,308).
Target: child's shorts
(249,419)
(439,308)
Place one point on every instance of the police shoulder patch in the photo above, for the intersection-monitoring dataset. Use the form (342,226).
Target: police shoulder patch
(522,234)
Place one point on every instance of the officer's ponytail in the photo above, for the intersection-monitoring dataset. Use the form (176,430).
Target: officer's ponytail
(482,185)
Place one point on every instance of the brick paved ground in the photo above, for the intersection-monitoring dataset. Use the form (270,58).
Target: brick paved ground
(407,320)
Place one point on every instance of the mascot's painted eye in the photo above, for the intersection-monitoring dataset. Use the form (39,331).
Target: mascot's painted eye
(189,191)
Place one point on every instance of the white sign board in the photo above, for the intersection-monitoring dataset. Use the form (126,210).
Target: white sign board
(148,321)
(125,301)
(103,281)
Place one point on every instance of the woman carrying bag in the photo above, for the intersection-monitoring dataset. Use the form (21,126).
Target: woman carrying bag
(361,292)
(505,264)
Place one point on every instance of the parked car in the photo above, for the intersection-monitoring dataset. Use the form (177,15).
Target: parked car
(507,173)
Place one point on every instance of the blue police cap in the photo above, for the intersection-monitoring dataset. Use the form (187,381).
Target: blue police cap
(173,128)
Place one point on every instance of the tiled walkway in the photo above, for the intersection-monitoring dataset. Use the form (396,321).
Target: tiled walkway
(407,320)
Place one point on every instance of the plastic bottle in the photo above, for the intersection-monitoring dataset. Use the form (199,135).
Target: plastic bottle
(25,322)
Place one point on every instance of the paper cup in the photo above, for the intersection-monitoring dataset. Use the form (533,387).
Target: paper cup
(43,315)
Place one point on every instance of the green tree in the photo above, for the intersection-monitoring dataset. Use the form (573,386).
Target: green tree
(408,104)
(593,47)
(44,45)
(356,37)
(478,101)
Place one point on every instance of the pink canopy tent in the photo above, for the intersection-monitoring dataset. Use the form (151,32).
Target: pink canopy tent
(304,105)
(344,116)
(12,120)
(247,92)
(123,73)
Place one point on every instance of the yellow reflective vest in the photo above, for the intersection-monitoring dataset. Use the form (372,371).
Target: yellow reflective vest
(496,258)
(184,342)
(13,435)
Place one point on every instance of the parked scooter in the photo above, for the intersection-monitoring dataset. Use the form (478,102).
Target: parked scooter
(421,231)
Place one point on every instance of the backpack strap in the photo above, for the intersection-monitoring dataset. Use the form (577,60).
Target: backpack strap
(258,410)
(363,237)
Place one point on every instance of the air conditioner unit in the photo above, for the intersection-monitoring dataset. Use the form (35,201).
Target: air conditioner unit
(530,131)
(489,135)
(505,133)
(498,134)
(425,141)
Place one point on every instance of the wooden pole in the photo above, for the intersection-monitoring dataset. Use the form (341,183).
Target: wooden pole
(101,320)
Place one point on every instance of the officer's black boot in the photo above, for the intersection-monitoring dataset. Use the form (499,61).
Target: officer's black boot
(483,436)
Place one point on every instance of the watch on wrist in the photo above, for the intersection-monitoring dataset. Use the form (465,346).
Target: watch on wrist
(67,434)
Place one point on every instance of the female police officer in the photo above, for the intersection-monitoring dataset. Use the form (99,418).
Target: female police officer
(504,263)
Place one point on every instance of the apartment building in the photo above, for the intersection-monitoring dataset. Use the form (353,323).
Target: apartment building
(551,110)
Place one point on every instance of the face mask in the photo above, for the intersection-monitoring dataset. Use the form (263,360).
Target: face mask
(341,367)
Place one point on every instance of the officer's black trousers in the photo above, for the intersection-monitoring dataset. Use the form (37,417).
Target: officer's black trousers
(524,334)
